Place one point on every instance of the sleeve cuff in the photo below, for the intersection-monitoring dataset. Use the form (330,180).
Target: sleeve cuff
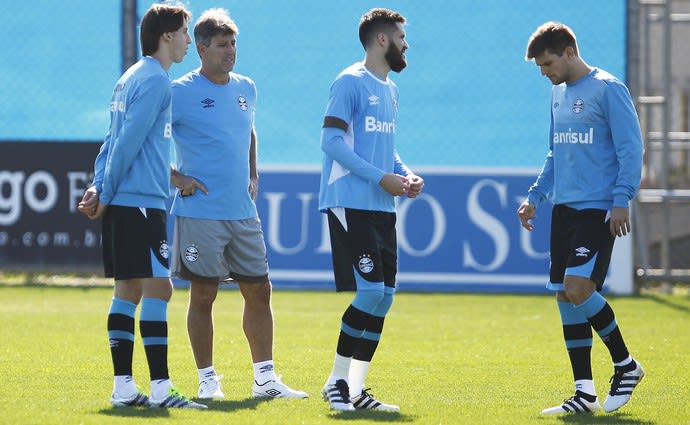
(535,199)
(621,201)
(378,175)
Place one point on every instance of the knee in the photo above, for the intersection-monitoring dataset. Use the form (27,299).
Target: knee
(384,305)
(130,290)
(367,301)
(562,297)
(161,289)
(572,294)
(202,295)
(577,290)
(256,294)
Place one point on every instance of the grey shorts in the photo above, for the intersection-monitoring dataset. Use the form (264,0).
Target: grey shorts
(215,250)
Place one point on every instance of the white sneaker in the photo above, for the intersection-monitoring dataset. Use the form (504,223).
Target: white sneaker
(367,401)
(209,388)
(276,389)
(173,399)
(338,396)
(622,386)
(136,399)
(575,404)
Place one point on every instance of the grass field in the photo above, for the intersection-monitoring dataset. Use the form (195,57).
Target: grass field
(444,358)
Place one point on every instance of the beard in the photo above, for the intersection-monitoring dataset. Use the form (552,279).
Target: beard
(395,58)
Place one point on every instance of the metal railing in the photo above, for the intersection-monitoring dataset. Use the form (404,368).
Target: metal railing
(662,212)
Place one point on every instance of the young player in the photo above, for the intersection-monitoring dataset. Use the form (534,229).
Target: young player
(131,185)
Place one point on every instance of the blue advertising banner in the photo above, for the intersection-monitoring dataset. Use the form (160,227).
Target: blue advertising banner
(462,233)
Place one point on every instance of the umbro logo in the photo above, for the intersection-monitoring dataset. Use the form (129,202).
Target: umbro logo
(266,368)
(373,100)
(208,103)
(581,252)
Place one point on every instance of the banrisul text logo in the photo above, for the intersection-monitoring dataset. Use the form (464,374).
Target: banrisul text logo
(573,137)
(371,124)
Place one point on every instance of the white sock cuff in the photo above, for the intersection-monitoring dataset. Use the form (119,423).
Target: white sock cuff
(586,386)
(341,368)
(624,362)
(124,384)
(160,387)
(264,371)
(358,374)
(206,372)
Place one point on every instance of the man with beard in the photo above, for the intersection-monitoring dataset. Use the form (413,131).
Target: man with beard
(361,176)
(218,234)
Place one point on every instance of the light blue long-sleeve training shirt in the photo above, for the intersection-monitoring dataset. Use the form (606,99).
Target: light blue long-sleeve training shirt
(595,146)
(133,165)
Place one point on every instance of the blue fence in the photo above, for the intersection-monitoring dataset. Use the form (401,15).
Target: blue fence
(468,97)
(473,121)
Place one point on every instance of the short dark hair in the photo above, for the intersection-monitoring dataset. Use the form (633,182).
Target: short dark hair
(159,19)
(551,36)
(211,23)
(377,20)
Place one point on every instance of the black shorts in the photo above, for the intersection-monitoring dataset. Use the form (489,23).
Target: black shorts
(365,242)
(581,245)
(135,243)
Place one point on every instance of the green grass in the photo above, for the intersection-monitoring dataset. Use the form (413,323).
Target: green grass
(444,358)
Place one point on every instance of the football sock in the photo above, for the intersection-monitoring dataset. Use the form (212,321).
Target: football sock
(577,333)
(352,327)
(341,369)
(206,372)
(624,362)
(124,385)
(627,365)
(160,387)
(264,371)
(359,334)
(358,373)
(586,386)
(153,325)
(602,319)
(121,335)
(367,344)
(385,304)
